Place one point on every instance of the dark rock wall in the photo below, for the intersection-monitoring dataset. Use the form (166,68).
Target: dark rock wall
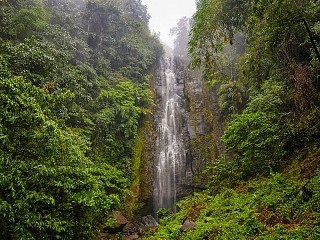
(205,125)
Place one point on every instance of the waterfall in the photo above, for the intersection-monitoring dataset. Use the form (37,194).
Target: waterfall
(171,171)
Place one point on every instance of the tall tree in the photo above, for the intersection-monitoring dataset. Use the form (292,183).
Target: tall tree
(181,33)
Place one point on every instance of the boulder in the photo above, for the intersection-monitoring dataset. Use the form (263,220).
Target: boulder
(188,225)
(120,220)
(106,236)
(149,221)
(130,228)
(132,236)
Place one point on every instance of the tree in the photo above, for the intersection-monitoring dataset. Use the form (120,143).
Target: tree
(181,33)
(49,188)
(264,84)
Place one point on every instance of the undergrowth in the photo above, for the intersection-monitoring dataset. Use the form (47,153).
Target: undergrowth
(283,206)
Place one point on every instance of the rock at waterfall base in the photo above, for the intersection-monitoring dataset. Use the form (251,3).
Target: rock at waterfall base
(149,221)
(132,236)
(120,220)
(188,225)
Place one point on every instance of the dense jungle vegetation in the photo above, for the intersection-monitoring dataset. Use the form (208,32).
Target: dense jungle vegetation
(74,86)
(262,59)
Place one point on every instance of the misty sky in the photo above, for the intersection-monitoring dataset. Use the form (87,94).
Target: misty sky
(165,14)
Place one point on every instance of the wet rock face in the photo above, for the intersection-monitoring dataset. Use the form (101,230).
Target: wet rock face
(147,170)
(205,126)
(196,117)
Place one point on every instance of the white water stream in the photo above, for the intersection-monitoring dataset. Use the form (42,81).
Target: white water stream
(170,165)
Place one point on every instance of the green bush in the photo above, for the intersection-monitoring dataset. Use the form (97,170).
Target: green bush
(263,208)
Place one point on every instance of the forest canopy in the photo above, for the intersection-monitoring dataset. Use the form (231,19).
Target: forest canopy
(262,59)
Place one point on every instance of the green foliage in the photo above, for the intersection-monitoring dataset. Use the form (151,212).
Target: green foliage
(203,150)
(73,90)
(266,81)
(28,22)
(267,91)
(223,173)
(259,136)
(49,188)
(258,139)
(163,213)
(116,121)
(216,46)
(124,41)
(272,208)
(231,96)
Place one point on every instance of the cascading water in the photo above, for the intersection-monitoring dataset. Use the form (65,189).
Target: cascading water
(171,172)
